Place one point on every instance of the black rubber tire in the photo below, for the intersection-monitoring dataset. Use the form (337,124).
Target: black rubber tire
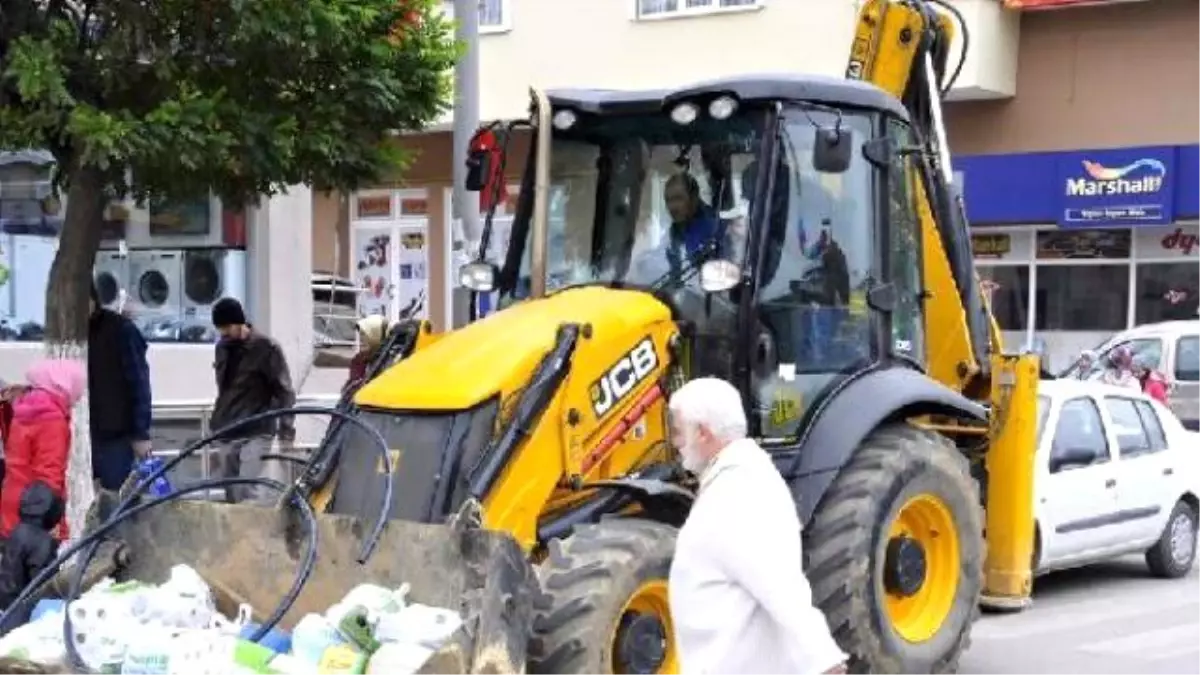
(1160,558)
(846,541)
(586,581)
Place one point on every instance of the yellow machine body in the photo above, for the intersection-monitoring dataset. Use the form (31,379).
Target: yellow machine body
(497,354)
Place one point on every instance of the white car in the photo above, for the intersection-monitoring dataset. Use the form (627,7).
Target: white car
(1116,473)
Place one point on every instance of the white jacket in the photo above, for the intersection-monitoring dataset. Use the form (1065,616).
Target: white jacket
(739,599)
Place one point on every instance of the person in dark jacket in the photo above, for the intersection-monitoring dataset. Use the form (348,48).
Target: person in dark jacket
(29,549)
(252,378)
(118,395)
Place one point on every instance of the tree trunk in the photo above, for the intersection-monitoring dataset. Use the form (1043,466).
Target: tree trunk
(67,321)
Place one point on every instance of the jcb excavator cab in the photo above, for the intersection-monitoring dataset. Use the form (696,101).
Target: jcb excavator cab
(785,280)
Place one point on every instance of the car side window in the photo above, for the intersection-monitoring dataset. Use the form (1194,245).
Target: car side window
(1079,428)
(1187,358)
(1132,439)
(1152,425)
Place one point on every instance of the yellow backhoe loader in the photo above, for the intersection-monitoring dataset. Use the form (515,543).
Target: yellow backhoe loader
(798,236)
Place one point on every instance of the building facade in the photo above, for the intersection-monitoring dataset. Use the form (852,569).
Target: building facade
(164,266)
(626,44)
(1082,188)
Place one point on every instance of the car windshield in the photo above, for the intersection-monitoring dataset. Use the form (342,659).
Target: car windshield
(640,200)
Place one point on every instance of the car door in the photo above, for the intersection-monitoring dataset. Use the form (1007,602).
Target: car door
(1185,394)
(1079,502)
(1146,478)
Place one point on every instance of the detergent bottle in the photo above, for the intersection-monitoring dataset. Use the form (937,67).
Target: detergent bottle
(161,486)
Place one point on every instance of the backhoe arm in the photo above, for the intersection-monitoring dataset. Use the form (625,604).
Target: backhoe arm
(903,47)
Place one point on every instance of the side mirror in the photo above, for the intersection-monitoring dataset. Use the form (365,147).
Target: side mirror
(479,165)
(1061,458)
(832,149)
(719,275)
(478,276)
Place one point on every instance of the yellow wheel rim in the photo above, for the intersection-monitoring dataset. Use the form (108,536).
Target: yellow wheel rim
(633,638)
(920,583)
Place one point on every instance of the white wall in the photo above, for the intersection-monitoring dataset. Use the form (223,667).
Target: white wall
(602,44)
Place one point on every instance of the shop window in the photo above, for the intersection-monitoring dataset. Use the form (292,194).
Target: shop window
(1007,287)
(1082,297)
(1167,291)
(1083,244)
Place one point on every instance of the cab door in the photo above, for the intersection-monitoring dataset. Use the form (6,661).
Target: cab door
(1079,502)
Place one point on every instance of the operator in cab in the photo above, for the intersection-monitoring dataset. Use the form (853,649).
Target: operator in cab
(693,223)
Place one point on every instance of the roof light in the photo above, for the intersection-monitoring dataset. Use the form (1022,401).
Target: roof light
(685,113)
(564,119)
(722,108)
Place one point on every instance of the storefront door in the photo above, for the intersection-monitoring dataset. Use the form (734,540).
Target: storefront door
(389,240)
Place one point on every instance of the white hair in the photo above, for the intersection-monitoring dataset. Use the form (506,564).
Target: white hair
(714,403)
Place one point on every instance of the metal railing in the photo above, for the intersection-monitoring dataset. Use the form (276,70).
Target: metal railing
(200,411)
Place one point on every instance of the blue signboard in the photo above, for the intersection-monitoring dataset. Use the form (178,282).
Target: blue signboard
(1152,185)
(1117,187)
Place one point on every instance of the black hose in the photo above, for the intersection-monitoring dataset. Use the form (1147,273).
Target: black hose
(385,505)
(966,43)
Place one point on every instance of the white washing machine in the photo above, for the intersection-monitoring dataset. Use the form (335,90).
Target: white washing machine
(156,293)
(111,279)
(209,274)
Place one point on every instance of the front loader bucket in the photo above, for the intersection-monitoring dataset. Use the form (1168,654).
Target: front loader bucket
(243,552)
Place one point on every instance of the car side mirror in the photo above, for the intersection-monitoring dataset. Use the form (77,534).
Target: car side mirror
(832,149)
(1071,457)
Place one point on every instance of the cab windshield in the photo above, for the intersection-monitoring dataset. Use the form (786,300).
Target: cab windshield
(640,200)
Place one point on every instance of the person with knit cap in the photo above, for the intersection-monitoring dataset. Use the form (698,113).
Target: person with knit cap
(119,394)
(252,378)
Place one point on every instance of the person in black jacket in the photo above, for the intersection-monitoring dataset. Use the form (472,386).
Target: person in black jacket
(118,395)
(252,377)
(30,549)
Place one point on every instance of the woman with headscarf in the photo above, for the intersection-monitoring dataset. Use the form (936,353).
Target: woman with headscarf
(39,436)
(1154,384)
(371,332)
(1120,369)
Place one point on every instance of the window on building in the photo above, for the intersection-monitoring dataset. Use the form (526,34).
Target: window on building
(659,8)
(1167,291)
(1007,287)
(1082,297)
(493,14)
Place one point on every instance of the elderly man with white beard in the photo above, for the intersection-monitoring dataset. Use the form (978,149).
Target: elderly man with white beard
(739,599)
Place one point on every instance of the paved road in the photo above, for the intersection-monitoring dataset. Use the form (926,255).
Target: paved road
(1111,618)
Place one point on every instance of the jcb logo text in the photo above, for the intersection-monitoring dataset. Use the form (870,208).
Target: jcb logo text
(625,374)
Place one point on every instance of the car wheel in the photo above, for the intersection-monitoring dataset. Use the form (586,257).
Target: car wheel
(1172,556)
